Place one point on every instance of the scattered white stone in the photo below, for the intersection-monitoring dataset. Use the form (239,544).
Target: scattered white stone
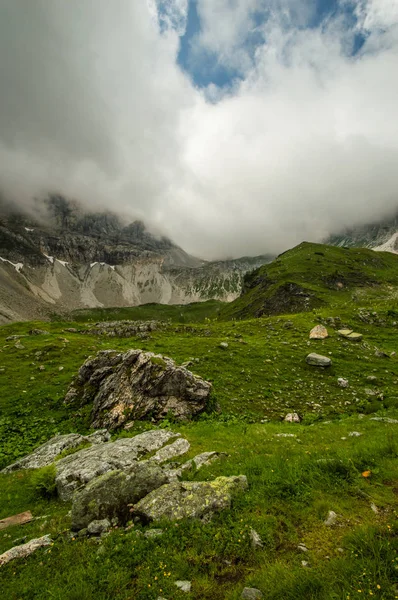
(302,548)
(374,508)
(343,383)
(292,418)
(331,518)
(304,563)
(184,586)
(286,435)
(354,434)
(384,419)
(28,229)
(223,345)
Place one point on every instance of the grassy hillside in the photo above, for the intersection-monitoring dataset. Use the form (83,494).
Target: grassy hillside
(295,478)
(314,275)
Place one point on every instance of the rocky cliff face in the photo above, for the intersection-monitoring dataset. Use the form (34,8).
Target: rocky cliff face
(380,236)
(66,259)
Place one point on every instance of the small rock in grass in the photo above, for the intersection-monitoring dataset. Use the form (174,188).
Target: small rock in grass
(319,332)
(223,345)
(302,548)
(292,418)
(331,518)
(354,434)
(374,508)
(317,360)
(343,383)
(98,527)
(381,354)
(304,563)
(153,533)
(251,594)
(371,379)
(184,586)
(255,539)
(286,435)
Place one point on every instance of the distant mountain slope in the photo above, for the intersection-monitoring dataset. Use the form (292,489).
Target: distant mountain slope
(373,235)
(311,276)
(65,259)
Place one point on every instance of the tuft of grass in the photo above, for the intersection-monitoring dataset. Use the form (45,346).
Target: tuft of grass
(43,481)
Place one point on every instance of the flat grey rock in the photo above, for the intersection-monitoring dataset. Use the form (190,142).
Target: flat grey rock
(45,454)
(317,360)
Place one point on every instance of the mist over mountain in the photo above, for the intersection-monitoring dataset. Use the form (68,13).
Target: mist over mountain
(279,126)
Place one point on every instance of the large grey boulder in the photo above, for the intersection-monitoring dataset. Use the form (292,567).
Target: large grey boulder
(136,385)
(189,499)
(46,453)
(109,496)
(77,470)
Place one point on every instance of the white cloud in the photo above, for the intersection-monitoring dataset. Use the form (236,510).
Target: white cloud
(377,14)
(94,105)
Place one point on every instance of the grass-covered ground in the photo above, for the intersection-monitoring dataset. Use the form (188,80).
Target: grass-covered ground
(294,481)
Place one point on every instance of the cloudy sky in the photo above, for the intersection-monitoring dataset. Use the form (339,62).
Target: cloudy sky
(235,127)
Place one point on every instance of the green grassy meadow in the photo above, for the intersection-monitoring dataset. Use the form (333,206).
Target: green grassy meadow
(295,479)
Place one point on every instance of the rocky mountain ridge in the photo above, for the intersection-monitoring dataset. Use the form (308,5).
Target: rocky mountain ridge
(64,258)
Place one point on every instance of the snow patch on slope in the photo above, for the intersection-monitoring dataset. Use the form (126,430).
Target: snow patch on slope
(17,266)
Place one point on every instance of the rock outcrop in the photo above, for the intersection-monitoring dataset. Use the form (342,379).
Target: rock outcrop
(76,470)
(45,454)
(115,482)
(137,385)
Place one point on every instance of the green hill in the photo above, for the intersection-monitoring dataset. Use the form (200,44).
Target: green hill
(313,276)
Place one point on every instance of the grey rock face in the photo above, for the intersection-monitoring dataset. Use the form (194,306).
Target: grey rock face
(75,471)
(46,453)
(317,360)
(109,496)
(135,385)
(192,500)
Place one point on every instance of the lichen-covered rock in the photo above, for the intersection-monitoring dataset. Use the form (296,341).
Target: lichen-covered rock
(46,453)
(75,471)
(189,499)
(137,385)
(109,496)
